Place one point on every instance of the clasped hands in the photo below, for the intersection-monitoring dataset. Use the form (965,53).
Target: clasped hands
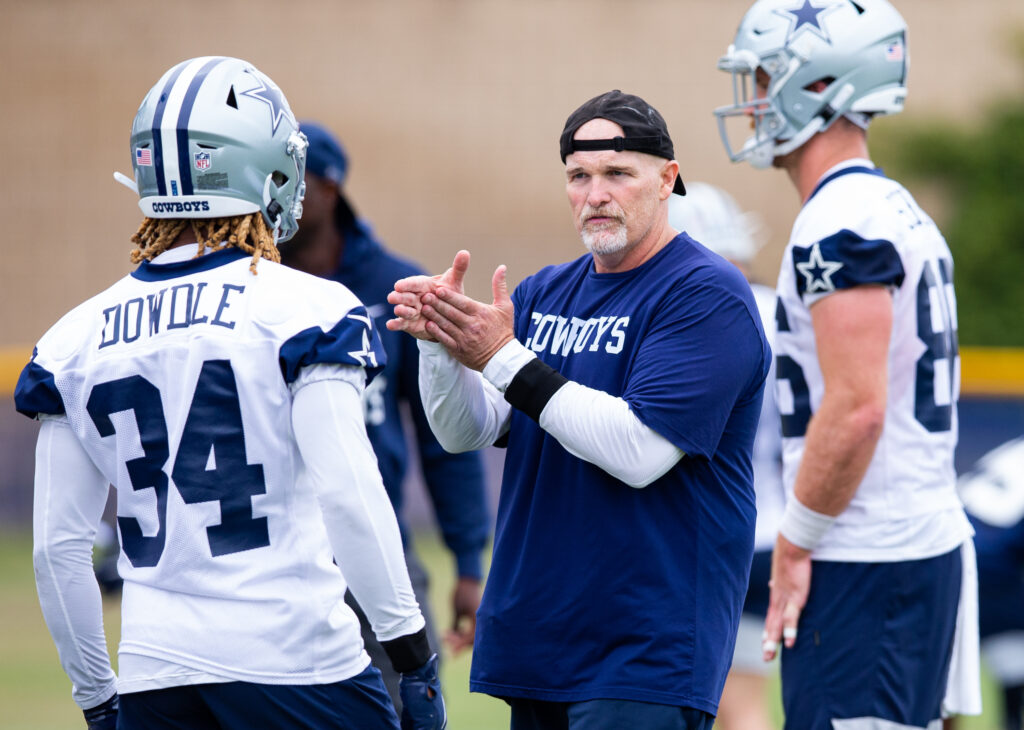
(435,308)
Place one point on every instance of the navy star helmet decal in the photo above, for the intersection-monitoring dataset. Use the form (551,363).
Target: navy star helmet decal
(844,260)
(272,97)
(807,16)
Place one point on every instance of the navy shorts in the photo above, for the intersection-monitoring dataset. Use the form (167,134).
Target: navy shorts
(874,641)
(604,715)
(359,703)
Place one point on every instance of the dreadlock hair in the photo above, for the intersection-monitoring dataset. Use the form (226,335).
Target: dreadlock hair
(247,232)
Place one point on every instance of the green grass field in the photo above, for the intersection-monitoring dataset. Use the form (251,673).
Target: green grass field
(36,695)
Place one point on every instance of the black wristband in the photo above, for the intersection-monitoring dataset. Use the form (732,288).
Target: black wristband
(533,386)
(408,652)
(106,711)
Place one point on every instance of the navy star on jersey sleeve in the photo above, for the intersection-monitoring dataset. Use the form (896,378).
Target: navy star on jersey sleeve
(845,260)
(353,340)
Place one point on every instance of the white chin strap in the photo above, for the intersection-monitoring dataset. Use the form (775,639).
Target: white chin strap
(126,181)
(784,148)
(759,155)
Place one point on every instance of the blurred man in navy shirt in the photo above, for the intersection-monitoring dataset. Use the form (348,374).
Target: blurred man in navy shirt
(334,243)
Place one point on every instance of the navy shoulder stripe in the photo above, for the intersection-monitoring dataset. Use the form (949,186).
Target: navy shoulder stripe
(845,260)
(352,341)
(36,391)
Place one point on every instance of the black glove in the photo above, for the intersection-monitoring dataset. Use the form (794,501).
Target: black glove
(102,717)
(422,703)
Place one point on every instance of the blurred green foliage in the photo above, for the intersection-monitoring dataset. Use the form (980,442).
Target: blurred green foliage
(979,173)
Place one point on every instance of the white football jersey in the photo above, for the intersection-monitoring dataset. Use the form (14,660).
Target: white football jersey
(767,459)
(176,382)
(859,227)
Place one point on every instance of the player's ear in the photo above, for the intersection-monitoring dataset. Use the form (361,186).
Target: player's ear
(669,172)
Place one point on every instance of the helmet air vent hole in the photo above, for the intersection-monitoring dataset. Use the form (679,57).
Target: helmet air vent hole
(858,7)
(279,178)
(232,101)
(820,85)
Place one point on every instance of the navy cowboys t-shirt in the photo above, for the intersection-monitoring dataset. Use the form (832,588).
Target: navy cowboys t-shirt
(597,589)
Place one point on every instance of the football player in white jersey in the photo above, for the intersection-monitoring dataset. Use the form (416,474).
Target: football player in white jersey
(874,543)
(220,393)
(710,216)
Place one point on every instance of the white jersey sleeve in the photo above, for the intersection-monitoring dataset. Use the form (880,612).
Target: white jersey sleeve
(860,228)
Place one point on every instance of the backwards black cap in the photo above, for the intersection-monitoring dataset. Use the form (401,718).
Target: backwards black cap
(644,128)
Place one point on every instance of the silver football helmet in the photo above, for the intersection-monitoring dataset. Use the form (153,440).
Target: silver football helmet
(712,217)
(857,48)
(214,138)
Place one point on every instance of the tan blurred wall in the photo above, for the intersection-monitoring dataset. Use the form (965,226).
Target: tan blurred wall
(450,110)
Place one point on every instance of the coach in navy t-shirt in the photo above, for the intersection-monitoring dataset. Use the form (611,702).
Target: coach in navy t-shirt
(627,386)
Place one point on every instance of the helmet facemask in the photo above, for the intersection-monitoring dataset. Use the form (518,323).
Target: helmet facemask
(282,201)
(751,110)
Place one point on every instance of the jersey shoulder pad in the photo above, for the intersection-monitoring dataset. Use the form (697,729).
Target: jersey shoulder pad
(839,241)
(843,260)
(319,321)
(36,391)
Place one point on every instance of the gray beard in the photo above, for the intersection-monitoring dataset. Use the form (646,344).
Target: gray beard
(605,241)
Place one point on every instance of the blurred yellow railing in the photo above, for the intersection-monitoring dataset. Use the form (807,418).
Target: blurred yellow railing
(992,371)
(12,360)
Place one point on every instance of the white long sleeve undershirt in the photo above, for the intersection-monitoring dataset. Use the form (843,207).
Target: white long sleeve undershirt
(70,494)
(467,410)
(327,417)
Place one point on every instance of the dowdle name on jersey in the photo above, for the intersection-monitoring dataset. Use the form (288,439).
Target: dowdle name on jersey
(175,307)
(564,334)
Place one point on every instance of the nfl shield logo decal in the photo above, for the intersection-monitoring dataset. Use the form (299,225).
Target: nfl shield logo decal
(203,160)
